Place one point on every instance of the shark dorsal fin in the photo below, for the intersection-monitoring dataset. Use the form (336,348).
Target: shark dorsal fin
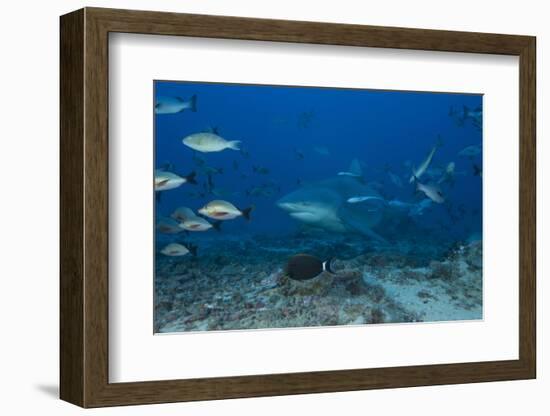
(355,168)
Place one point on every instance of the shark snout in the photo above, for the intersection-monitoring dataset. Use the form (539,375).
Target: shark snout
(287,206)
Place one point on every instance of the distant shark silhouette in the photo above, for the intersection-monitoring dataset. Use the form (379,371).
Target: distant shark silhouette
(324,205)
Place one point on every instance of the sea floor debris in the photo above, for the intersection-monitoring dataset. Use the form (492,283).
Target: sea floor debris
(243,286)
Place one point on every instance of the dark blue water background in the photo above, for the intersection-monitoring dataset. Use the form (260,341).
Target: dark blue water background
(380,128)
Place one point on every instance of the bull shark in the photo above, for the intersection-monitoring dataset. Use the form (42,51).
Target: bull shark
(324,205)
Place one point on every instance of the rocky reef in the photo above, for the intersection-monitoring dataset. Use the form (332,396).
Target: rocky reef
(242,285)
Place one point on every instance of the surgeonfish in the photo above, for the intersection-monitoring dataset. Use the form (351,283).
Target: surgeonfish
(209,142)
(305,267)
(173,105)
(223,210)
(417,173)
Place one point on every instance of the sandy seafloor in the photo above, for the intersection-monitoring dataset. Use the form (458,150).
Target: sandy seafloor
(238,284)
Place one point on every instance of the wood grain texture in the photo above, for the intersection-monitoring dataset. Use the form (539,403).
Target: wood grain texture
(71,100)
(528,207)
(84,202)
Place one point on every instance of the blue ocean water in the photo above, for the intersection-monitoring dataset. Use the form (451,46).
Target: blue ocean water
(292,137)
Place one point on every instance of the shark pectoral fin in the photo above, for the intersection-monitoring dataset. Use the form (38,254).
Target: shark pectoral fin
(367,231)
(362,222)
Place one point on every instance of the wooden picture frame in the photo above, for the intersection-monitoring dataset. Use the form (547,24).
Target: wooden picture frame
(84,207)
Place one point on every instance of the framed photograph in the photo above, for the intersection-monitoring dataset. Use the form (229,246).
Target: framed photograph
(263,207)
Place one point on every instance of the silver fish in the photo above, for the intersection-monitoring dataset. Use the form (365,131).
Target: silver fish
(174,249)
(182,213)
(172,105)
(196,224)
(223,210)
(168,226)
(209,142)
(167,180)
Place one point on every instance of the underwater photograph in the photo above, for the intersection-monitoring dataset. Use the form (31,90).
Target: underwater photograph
(293,207)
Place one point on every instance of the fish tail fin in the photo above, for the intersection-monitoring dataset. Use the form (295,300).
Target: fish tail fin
(217,225)
(191,178)
(246,212)
(193,103)
(327,265)
(158,197)
(234,145)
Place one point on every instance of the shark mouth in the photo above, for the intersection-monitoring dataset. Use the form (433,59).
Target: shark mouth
(305,216)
